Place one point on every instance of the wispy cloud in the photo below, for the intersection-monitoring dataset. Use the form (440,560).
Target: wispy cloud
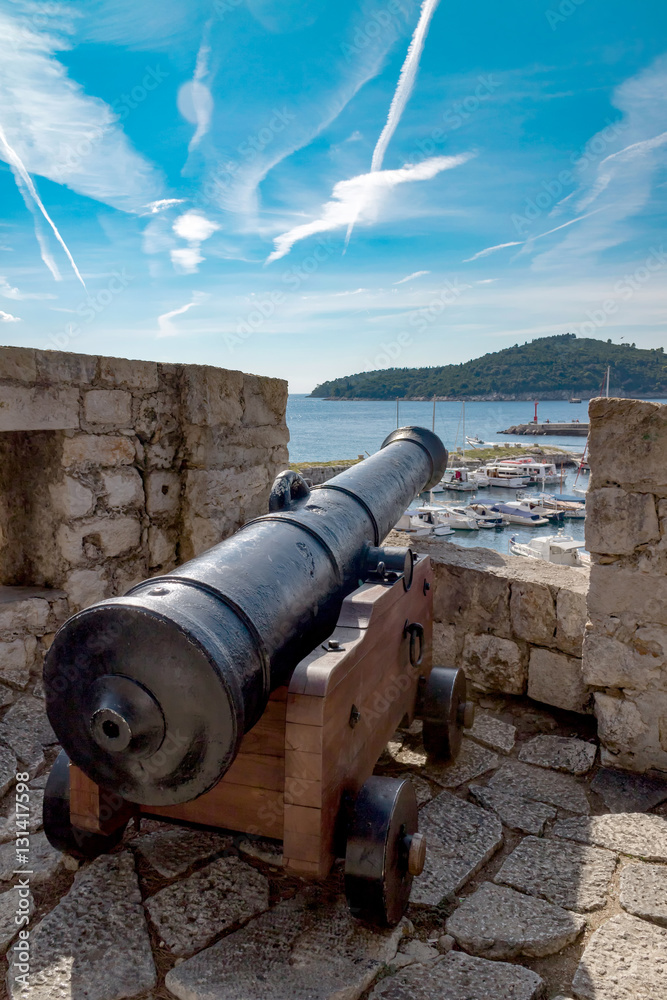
(489,250)
(195,101)
(161,205)
(165,326)
(24,182)
(8,318)
(9,292)
(195,228)
(361,198)
(411,277)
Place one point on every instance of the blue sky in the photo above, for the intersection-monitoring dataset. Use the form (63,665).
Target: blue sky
(313,189)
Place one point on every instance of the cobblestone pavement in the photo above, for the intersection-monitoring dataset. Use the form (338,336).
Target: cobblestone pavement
(546,878)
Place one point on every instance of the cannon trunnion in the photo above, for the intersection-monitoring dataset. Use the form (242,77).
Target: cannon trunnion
(255,688)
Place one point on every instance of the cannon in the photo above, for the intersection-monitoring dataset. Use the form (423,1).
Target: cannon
(254,688)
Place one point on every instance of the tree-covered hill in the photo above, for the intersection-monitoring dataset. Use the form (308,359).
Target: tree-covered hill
(547,368)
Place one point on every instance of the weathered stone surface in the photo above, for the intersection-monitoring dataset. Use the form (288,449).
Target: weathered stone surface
(309,947)
(623,791)
(472,760)
(18,363)
(418,951)
(620,590)
(620,724)
(211,396)
(16,659)
(26,729)
(190,913)
(172,850)
(492,732)
(7,769)
(44,861)
(94,943)
(532,612)
(98,449)
(37,408)
(86,586)
(637,664)
(61,366)
(628,833)
(8,830)
(20,612)
(268,851)
(570,620)
(71,498)
(515,812)
(540,785)
(133,374)
(461,838)
(628,444)
(162,493)
(617,522)
(493,664)
(561,753)
(9,902)
(102,537)
(624,960)
(123,488)
(108,406)
(644,892)
(457,976)
(468,594)
(497,922)
(557,679)
(572,876)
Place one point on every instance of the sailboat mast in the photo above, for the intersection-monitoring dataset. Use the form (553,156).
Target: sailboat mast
(464,432)
(433,424)
(607,389)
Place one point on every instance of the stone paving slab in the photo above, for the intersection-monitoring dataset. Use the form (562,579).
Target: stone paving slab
(540,785)
(458,976)
(644,892)
(26,729)
(497,922)
(623,791)
(561,753)
(460,838)
(8,769)
(268,851)
(8,926)
(44,861)
(628,833)
(493,733)
(515,812)
(172,850)
(34,817)
(570,875)
(189,914)
(625,959)
(472,761)
(306,948)
(94,944)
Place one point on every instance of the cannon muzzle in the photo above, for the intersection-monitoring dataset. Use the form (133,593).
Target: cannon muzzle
(151,693)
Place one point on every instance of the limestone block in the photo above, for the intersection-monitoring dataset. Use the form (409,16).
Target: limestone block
(532,612)
(157,416)
(71,498)
(86,587)
(141,375)
(264,400)
(211,395)
(212,492)
(570,620)
(105,536)
(108,406)
(162,493)
(446,644)
(30,614)
(557,679)
(18,363)
(607,662)
(98,449)
(199,534)
(494,664)
(37,408)
(472,599)
(628,444)
(61,366)
(620,725)
(16,659)
(617,522)
(161,546)
(123,488)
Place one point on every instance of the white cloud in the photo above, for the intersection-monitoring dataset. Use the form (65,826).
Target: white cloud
(410,277)
(165,326)
(195,101)
(154,207)
(186,260)
(194,227)
(489,250)
(8,318)
(362,198)
(9,292)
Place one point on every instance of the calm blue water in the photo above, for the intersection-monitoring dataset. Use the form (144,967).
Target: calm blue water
(323,430)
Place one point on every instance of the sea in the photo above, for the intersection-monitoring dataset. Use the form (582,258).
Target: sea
(323,430)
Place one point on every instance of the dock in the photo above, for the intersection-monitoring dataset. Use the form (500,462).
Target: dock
(573,428)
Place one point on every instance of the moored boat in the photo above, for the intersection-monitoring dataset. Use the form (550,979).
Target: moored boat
(519,515)
(560,549)
(504,476)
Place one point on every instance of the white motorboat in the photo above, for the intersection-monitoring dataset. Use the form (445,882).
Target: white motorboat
(454,517)
(487,512)
(540,472)
(456,479)
(519,515)
(483,520)
(505,476)
(476,442)
(422,522)
(571,507)
(560,549)
(536,506)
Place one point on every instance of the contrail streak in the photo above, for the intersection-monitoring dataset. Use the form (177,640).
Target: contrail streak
(18,169)
(404,87)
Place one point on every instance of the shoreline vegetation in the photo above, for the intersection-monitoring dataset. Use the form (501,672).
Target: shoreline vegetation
(473,455)
(549,368)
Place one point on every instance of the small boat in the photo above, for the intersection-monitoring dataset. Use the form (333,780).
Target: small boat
(536,506)
(456,479)
(519,515)
(476,442)
(483,520)
(575,400)
(560,549)
(540,472)
(488,513)
(422,523)
(505,476)
(570,506)
(453,517)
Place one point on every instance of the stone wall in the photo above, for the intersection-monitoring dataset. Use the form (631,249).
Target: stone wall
(515,625)
(625,650)
(114,470)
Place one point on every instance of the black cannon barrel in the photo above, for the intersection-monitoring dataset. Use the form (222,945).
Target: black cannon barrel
(151,693)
